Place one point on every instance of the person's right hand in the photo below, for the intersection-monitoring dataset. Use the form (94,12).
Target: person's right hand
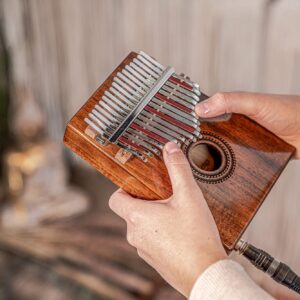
(278,113)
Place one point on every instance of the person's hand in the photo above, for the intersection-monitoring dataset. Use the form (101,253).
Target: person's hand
(177,236)
(278,113)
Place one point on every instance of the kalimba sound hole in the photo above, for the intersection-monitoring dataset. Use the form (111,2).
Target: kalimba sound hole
(206,157)
(211,158)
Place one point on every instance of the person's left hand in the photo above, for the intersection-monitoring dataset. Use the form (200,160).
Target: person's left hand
(177,236)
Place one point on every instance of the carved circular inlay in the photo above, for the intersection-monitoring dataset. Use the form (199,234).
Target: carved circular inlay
(211,158)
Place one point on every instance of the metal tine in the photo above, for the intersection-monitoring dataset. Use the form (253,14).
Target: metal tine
(120,88)
(180,95)
(132,84)
(195,90)
(155,119)
(142,143)
(149,153)
(145,68)
(126,101)
(133,69)
(127,96)
(106,110)
(182,77)
(175,98)
(189,113)
(156,63)
(151,128)
(147,77)
(107,103)
(188,81)
(134,152)
(182,90)
(125,106)
(175,110)
(135,80)
(163,128)
(94,126)
(127,87)
(173,115)
(167,124)
(150,65)
(135,146)
(99,122)
(145,137)
(104,119)
(117,115)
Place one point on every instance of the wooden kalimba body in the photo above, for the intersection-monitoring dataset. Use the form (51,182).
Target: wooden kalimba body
(123,127)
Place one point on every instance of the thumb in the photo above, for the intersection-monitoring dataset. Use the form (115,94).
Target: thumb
(179,169)
(249,104)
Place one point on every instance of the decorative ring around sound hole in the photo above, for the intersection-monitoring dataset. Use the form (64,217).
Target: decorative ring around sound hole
(211,158)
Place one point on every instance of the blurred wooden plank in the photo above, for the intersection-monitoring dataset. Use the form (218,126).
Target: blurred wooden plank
(92,253)
(29,284)
(95,284)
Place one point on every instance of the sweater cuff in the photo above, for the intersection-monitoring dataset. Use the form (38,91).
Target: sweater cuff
(226,279)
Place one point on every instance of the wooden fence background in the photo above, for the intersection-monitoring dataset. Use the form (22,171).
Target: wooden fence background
(60,51)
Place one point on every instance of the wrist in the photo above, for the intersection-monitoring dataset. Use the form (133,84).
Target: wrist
(203,262)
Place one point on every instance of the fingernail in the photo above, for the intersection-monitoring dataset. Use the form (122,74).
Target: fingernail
(202,108)
(172,147)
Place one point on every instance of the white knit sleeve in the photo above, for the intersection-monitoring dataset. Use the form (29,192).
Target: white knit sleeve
(226,280)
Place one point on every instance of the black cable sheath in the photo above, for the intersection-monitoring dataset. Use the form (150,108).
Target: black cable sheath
(279,271)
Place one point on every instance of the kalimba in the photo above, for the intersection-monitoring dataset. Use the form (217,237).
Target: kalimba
(122,128)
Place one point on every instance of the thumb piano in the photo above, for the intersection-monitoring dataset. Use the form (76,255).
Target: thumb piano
(123,126)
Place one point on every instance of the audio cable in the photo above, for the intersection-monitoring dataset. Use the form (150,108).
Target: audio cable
(277,270)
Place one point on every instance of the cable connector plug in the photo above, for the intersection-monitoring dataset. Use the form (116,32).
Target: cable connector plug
(279,271)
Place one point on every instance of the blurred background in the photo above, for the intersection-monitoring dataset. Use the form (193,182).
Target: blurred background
(58,239)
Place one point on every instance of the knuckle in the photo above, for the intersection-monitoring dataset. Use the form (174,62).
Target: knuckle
(134,217)
(140,254)
(130,238)
(222,99)
(111,201)
(114,198)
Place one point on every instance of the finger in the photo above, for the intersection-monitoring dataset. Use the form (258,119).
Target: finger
(124,205)
(249,104)
(178,168)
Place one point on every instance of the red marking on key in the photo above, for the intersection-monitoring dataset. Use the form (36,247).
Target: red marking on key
(149,133)
(170,119)
(181,83)
(173,103)
(130,143)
